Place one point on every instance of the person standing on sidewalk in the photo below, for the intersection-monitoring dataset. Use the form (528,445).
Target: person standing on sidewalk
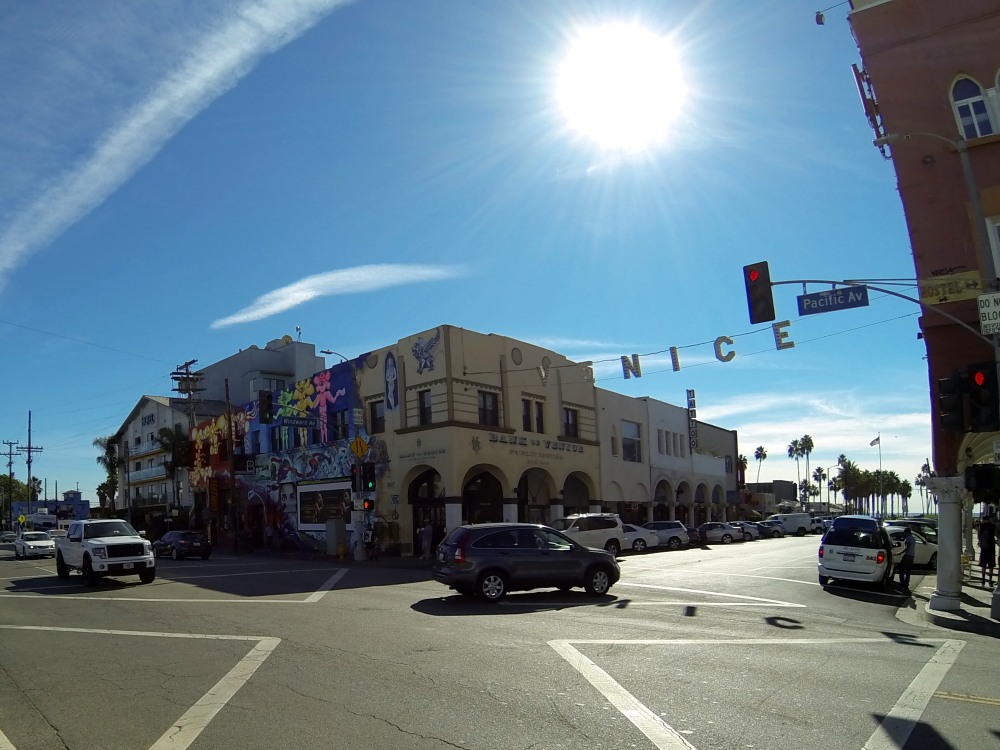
(987,548)
(426,534)
(906,564)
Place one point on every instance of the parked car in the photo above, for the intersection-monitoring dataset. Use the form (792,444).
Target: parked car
(638,538)
(594,530)
(694,536)
(816,526)
(924,553)
(181,544)
(793,523)
(34,544)
(57,533)
(774,529)
(7,537)
(750,530)
(490,559)
(857,548)
(716,531)
(670,533)
(926,527)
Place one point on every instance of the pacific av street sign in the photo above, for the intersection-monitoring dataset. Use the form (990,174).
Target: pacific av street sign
(834,299)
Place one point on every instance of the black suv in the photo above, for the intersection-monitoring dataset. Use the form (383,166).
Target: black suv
(181,544)
(490,559)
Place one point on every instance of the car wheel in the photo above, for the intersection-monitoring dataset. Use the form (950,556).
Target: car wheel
(674,542)
(800,532)
(613,547)
(90,578)
(174,554)
(17,553)
(62,569)
(597,582)
(638,546)
(147,576)
(727,539)
(775,534)
(824,580)
(492,586)
(206,556)
(932,563)
(747,538)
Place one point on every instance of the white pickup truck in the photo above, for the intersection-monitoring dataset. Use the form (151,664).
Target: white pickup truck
(104,547)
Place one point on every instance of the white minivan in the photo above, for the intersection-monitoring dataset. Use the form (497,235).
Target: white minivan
(857,548)
(799,524)
(596,530)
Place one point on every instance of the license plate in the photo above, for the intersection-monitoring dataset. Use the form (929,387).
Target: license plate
(848,558)
(127,566)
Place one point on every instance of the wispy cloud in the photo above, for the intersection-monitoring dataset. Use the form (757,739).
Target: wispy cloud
(344,281)
(217,61)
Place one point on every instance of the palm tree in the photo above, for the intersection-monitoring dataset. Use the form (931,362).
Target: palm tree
(760,455)
(36,489)
(110,461)
(168,440)
(795,451)
(806,445)
(741,467)
(820,476)
(905,490)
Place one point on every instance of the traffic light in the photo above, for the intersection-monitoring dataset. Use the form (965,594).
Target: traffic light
(368,505)
(355,478)
(368,483)
(266,399)
(984,397)
(950,407)
(757,278)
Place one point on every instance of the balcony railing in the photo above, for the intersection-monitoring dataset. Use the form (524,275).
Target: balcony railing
(151,473)
(148,446)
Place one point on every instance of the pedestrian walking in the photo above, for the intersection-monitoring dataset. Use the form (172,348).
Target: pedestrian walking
(426,533)
(987,548)
(269,538)
(906,564)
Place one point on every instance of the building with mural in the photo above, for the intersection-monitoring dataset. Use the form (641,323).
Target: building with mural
(459,427)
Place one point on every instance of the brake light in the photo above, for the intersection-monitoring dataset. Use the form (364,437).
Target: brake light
(460,549)
(821,550)
(880,558)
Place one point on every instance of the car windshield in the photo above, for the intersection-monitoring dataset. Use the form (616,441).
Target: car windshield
(108,528)
(561,524)
(36,536)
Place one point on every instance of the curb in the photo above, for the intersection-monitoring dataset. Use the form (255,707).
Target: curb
(962,620)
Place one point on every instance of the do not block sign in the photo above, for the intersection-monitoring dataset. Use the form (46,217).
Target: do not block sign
(989,313)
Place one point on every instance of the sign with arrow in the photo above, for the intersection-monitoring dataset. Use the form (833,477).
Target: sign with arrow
(359,447)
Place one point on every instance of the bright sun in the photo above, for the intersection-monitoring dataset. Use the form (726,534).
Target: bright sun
(621,86)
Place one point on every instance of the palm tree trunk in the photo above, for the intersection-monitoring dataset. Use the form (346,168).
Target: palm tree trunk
(759,462)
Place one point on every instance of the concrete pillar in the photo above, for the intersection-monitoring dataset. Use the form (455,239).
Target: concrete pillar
(723,512)
(555,511)
(510,512)
(950,493)
(649,512)
(596,508)
(671,511)
(967,506)
(452,516)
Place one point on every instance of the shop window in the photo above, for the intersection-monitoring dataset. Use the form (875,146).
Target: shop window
(631,442)
(424,403)
(526,415)
(539,417)
(489,412)
(255,442)
(315,437)
(570,422)
(970,109)
(338,424)
(376,417)
(138,466)
(274,439)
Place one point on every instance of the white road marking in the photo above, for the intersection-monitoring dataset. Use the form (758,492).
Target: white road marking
(187,728)
(322,590)
(661,734)
(898,724)
(613,605)
(738,575)
(708,593)
(255,573)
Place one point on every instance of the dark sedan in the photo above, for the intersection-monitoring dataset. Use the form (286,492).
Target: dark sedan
(488,560)
(181,544)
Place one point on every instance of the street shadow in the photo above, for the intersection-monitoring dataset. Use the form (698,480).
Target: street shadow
(905,639)
(867,592)
(785,623)
(514,604)
(922,735)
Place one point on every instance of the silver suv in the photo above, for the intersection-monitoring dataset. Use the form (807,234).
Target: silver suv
(671,533)
(594,530)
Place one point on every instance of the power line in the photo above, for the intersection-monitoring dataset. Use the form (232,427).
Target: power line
(81,341)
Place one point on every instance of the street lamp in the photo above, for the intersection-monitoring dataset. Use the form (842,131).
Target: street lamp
(990,256)
(331,351)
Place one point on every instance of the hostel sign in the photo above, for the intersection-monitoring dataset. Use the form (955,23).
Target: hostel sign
(831,300)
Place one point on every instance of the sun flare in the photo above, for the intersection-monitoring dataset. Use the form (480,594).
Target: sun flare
(621,86)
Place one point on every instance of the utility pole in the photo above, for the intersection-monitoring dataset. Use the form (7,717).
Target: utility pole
(10,480)
(29,450)
(187,384)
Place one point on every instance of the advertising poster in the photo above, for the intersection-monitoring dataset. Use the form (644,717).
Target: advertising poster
(319,502)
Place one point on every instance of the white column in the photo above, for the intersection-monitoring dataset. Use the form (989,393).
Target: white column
(596,508)
(967,505)
(555,511)
(452,516)
(649,512)
(510,512)
(950,492)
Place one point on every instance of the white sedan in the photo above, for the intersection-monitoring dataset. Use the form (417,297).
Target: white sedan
(925,551)
(32,543)
(639,539)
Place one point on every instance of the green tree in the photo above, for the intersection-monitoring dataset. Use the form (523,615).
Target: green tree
(795,452)
(760,455)
(168,440)
(806,445)
(819,476)
(110,461)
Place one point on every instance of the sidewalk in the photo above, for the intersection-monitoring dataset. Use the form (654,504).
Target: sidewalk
(974,615)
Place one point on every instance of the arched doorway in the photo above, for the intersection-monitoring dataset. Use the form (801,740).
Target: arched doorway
(426,496)
(663,501)
(535,489)
(701,511)
(718,503)
(482,496)
(576,494)
(684,499)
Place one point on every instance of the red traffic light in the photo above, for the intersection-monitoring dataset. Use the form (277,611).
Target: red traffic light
(754,275)
(979,378)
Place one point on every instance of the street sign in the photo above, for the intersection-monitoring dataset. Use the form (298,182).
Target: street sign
(832,300)
(21,519)
(989,313)
(359,447)
(308,422)
(950,288)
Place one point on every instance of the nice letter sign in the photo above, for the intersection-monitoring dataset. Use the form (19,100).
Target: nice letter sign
(837,299)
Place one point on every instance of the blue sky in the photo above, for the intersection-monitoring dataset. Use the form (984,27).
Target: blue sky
(173,166)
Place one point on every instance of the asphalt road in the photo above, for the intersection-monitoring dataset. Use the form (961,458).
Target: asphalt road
(721,647)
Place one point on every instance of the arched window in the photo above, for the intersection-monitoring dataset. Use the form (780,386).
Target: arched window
(970,109)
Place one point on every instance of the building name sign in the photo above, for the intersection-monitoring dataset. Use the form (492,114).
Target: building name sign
(552,445)
(148,419)
(692,420)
